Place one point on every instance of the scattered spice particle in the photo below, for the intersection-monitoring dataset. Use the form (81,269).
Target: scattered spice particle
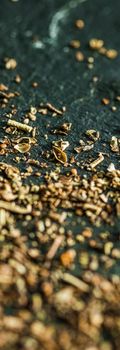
(102,51)
(111,54)
(76,282)
(114,144)
(90,60)
(87,232)
(3,87)
(96,44)
(93,134)
(22,147)
(60,155)
(67,258)
(34,84)
(79,56)
(18,79)
(53,249)
(79,23)
(106,101)
(15,208)
(10,63)
(75,44)
(63,129)
(111,167)
(61,144)
(118,98)
(97,161)
(114,108)
(54,109)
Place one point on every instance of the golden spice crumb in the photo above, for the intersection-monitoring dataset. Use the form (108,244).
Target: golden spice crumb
(96,44)
(102,50)
(75,44)
(79,56)
(79,23)
(87,232)
(10,63)
(34,84)
(111,54)
(68,257)
(17,79)
(105,101)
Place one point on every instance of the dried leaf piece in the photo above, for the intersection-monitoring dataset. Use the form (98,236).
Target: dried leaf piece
(62,144)
(114,145)
(84,147)
(54,109)
(66,126)
(97,161)
(60,155)
(22,147)
(78,149)
(30,140)
(93,134)
(88,147)
(63,129)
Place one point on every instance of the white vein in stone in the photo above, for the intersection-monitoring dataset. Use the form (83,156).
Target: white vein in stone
(60,15)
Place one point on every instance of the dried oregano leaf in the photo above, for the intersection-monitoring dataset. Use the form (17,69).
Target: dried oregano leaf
(114,144)
(22,147)
(60,155)
(61,144)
